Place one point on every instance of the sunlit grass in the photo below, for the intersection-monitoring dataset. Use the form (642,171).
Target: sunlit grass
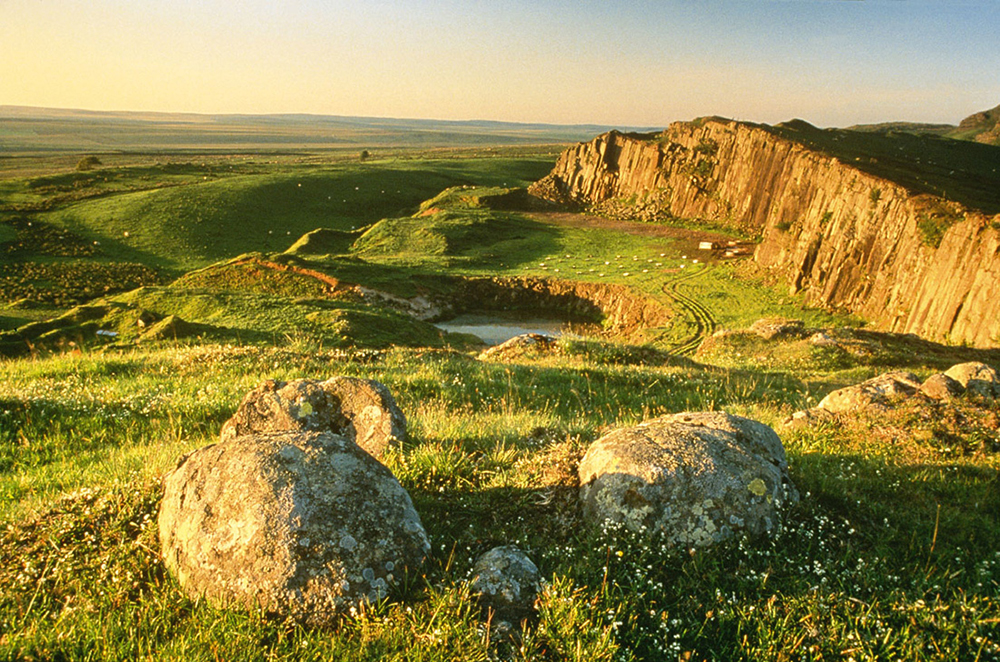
(890,553)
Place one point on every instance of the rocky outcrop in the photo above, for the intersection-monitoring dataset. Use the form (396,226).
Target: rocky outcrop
(909,263)
(697,478)
(303,525)
(892,389)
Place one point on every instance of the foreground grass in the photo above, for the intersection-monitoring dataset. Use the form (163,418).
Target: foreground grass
(890,555)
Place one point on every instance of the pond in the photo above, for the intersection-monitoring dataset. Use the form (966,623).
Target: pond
(494,328)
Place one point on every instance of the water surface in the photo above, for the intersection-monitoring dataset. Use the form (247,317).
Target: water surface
(495,328)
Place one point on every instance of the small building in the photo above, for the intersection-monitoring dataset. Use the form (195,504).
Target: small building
(706,246)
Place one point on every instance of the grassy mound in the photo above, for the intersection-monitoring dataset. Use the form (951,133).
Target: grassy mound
(189,215)
(323,241)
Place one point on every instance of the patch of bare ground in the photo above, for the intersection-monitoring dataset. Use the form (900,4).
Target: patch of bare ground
(687,240)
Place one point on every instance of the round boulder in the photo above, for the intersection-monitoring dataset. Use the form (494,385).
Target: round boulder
(506,580)
(303,525)
(696,477)
(362,410)
(977,378)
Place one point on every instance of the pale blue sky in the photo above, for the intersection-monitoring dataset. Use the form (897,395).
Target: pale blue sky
(641,63)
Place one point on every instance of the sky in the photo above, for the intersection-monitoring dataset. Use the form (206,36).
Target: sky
(623,63)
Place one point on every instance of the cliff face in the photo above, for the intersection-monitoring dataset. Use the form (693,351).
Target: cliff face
(908,263)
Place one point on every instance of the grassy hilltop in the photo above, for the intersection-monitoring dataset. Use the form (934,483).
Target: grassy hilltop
(891,554)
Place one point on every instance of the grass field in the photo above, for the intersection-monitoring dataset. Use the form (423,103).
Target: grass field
(891,554)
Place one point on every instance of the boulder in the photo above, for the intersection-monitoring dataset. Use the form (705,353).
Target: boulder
(506,581)
(302,525)
(770,328)
(822,339)
(696,477)
(977,378)
(876,393)
(518,345)
(941,387)
(362,410)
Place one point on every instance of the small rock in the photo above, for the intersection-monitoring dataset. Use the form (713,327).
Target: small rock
(506,581)
(977,378)
(821,339)
(696,477)
(806,418)
(770,328)
(363,410)
(302,525)
(518,345)
(941,387)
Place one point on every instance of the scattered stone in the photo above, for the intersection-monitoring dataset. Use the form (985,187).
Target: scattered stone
(770,328)
(941,387)
(821,339)
(876,393)
(696,477)
(806,418)
(303,525)
(506,581)
(518,345)
(362,410)
(977,378)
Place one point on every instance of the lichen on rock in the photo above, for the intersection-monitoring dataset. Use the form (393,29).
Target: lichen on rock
(363,410)
(506,580)
(977,378)
(697,478)
(302,525)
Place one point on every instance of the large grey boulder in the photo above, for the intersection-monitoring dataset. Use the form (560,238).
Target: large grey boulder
(362,410)
(696,477)
(506,580)
(876,393)
(977,378)
(303,525)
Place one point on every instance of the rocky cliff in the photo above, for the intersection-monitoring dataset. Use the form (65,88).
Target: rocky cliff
(906,260)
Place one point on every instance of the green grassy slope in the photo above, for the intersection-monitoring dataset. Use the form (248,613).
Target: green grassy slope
(964,171)
(181,228)
(891,550)
(891,554)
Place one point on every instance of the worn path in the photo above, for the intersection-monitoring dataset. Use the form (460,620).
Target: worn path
(705,323)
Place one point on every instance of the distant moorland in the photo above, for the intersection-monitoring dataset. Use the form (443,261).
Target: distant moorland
(27,129)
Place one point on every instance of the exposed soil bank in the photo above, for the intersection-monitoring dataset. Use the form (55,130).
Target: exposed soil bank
(617,308)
